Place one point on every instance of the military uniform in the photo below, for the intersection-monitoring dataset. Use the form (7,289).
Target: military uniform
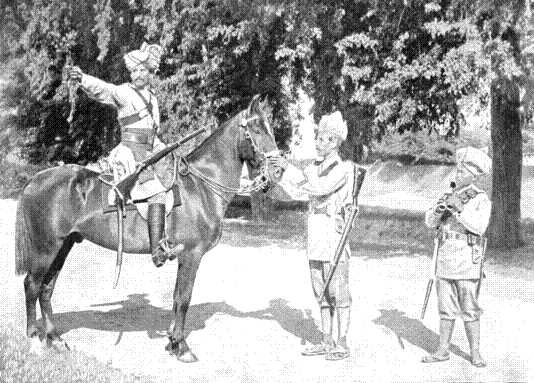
(328,182)
(460,253)
(138,115)
(460,218)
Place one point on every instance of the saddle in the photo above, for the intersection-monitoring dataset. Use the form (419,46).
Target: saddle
(139,202)
(141,191)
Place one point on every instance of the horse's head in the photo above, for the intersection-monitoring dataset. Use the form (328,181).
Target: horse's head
(257,140)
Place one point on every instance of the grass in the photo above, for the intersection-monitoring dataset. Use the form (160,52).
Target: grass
(17,364)
(375,227)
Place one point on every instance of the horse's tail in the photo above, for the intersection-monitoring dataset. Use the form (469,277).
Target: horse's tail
(22,240)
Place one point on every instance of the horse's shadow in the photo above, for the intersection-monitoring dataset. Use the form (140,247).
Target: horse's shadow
(137,314)
(413,331)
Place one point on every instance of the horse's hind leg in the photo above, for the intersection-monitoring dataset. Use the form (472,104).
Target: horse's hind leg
(46,291)
(32,288)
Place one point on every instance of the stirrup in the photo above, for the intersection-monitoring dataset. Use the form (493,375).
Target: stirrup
(170,253)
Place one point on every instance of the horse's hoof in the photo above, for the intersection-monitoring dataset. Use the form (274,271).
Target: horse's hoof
(59,345)
(187,357)
(36,346)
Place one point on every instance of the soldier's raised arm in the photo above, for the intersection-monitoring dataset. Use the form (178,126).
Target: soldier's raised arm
(476,214)
(95,88)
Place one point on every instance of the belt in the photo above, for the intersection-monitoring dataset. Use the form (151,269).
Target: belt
(471,239)
(320,210)
(138,138)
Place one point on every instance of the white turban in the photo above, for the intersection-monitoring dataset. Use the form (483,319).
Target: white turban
(148,55)
(334,124)
(475,160)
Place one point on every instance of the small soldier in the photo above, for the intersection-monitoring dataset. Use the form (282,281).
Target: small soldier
(461,217)
(138,115)
(328,182)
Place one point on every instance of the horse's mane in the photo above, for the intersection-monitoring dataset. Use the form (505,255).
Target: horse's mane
(213,137)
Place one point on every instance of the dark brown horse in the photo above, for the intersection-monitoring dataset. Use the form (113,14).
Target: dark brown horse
(62,205)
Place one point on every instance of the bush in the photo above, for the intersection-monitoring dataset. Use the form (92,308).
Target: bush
(423,148)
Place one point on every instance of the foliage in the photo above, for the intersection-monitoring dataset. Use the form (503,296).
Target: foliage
(393,66)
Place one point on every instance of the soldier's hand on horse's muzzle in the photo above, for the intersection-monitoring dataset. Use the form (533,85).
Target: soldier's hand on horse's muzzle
(74,73)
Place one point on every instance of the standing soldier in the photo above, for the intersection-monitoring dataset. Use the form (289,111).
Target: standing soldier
(461,218)
(328,182)
(138,115)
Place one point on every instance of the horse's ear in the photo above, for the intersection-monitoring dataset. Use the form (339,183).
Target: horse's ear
(254,105)
(264,104)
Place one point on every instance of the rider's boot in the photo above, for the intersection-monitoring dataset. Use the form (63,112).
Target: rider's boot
(156,230)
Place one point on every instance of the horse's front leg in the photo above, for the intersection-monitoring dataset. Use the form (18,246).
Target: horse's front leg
(183,290)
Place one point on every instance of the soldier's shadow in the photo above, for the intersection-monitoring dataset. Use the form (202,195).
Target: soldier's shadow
(137,314)
(414,332)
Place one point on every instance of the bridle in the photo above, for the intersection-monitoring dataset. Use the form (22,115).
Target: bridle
(260,182)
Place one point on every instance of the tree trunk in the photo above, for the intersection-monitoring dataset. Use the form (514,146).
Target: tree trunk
(505,222)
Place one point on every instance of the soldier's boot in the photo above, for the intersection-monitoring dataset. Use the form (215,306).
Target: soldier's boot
(341,350)
(446,328)
(156,229)
(326,328)
(472,330)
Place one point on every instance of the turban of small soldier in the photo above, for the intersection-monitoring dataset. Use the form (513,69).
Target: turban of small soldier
(475,160)
(149,55)
(334,124)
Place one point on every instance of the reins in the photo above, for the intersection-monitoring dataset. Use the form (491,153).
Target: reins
(259,182)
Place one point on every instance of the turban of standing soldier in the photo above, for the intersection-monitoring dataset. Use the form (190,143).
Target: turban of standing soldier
(149,55)
(475,160)
(334,124)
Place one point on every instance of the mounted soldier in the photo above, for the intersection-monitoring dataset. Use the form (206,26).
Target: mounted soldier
(329,183)
(460,218)
(138,116)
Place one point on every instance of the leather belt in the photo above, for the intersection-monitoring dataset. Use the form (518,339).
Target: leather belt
(138,138)
(471,239)
(320,210)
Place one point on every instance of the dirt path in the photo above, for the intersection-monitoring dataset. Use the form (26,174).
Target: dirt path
(252,312)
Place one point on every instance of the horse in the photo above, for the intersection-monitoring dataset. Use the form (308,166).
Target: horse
(62,205)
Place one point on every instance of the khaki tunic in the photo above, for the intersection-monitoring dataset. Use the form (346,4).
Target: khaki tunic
(456,258)
(330,187)
(131,108)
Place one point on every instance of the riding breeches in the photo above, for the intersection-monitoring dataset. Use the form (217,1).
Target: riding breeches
(457,297)
(338,293)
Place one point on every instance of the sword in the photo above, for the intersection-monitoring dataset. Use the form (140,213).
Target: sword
(481,276)
(432,276)
(358,182)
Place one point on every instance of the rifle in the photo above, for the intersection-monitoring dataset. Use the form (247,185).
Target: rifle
(358,182)
(433,276)
(125,186)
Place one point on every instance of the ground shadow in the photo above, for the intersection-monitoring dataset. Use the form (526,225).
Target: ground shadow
(414,332)
(137,314)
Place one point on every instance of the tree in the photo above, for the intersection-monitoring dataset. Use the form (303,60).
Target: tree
(509,30)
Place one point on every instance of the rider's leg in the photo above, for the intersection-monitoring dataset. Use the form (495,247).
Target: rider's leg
(156,230)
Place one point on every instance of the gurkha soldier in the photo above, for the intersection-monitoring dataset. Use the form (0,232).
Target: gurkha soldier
(328,183)
(138,115)
(461,217)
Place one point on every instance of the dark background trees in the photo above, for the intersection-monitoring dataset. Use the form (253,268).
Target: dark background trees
(399,71)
